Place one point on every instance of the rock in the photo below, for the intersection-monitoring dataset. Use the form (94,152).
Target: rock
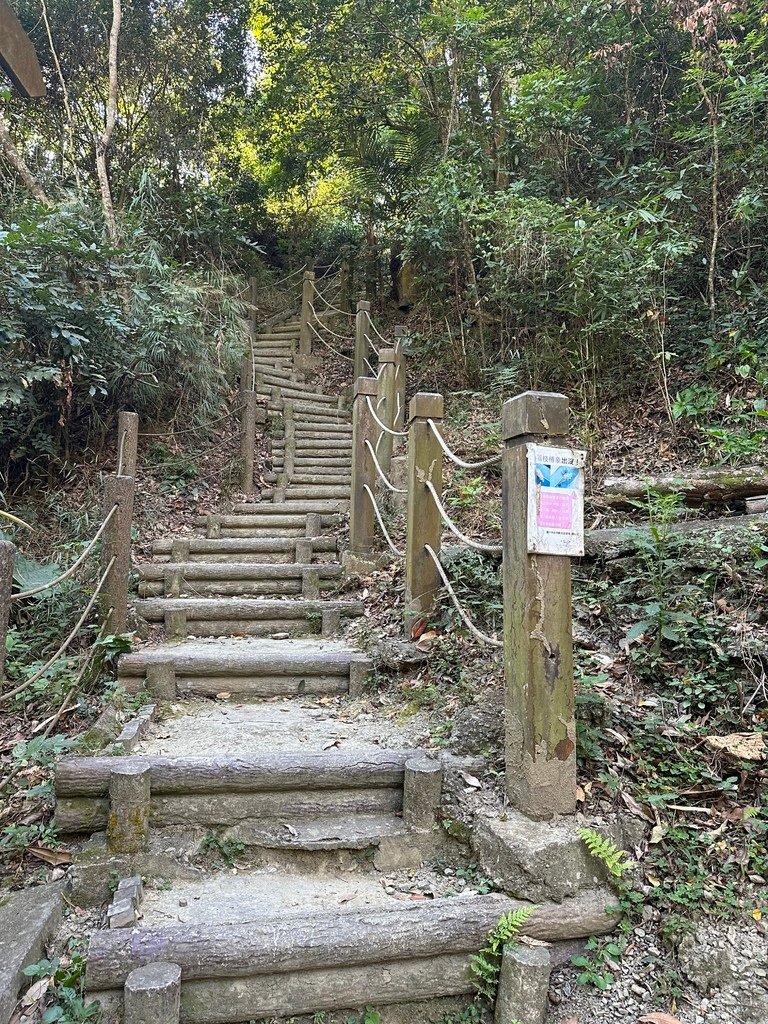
(398,655)
(523,985)
(478,727)
(535,860)
(27,921)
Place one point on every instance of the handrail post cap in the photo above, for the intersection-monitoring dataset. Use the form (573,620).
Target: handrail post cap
(426,405)
(534,412)
(386,355)
(365,386)
(309,275)
(363,306)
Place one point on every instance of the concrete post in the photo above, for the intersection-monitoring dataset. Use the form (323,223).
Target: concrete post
(400,336)
(7,556)
(152,993)
(385,407)
(362,520)
(127,443)
(362,339)
(128,820)
(538,646)
(422,792)
(119,491)
(523,985)
(307,302)
(425,462)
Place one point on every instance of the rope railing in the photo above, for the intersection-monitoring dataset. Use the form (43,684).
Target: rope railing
(382,475)
(329,346)
(454,457)
(330,305)
(384,530)
(66,644)
(490,640)
(492,549)
(381,425)
(21,595)
(325,327)
(378,333)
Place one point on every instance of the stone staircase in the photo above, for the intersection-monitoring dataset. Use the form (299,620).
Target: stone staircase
(267,816)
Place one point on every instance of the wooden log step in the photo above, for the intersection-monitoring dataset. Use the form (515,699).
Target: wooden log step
(306,942)
(272,515)
(213,609)
(194,572)
(328,510)
(258,550)
(276,335)
(292,391)
(320,443)
(89,776)
(323,479)
(278,375)
(276,353)
(325,491)
(319,465)
(75,814)
(234,588)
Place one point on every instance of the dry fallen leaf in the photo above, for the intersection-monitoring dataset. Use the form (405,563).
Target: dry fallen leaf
(659,1018)
(35,992)
(53,857)
(471,780)
(744,746)
(224,695)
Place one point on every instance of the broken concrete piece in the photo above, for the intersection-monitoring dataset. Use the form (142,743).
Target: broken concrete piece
(121,913)
(538,860)
(523,985)
(27,921)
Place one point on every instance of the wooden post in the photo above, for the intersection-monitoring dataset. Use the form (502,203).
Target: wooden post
(425,462)
(400,336)
(7,556)
(249,400)
(362,339)
(118,490)
(362,520)
(385,407)
(345,287)
(538,654)
(127,443)
(307,302)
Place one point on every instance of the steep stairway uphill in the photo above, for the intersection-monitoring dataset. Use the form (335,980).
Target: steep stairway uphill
(264,822)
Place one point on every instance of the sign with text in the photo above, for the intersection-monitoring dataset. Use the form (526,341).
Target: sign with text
(555,501)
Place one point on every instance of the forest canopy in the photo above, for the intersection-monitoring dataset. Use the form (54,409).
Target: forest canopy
(571,196)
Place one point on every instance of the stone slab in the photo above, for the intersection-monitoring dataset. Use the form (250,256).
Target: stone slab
(536,860)
(27,921)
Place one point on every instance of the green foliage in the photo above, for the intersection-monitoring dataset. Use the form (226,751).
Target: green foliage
(89,327)
(598,966)
(606,851)
(228,849)
(65,992)
(486,965)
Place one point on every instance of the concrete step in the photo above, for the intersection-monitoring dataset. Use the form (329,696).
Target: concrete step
(298,395)
(256,550)
(328,414)
(245,669)
(277,375)
(305,426)
(233,579)
(288,335)
(328,510)
(324,473)
(306,956)
(230,616)
(273,352)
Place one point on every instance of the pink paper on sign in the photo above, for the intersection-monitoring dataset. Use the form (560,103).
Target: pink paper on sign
(555,509)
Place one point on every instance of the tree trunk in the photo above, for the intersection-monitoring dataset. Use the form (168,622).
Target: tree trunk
(17,161)
(103,141)
(711,484)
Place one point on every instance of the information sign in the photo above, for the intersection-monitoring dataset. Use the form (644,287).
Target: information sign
(555,500)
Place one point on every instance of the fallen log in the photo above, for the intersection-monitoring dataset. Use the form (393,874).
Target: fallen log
(301,941)
(697,486)
(625,540)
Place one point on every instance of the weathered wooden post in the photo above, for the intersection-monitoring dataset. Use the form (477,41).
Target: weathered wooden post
(400,336)
(307,316)
(362,338)
(127,443)
(538,656)
(362,520)
(7,556)
(248,414)
(425,462)
(385,407)
(129,801)
(118,491)
(345,286)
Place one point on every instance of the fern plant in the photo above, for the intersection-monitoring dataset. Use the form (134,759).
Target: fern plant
(606,851)
(486,965)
